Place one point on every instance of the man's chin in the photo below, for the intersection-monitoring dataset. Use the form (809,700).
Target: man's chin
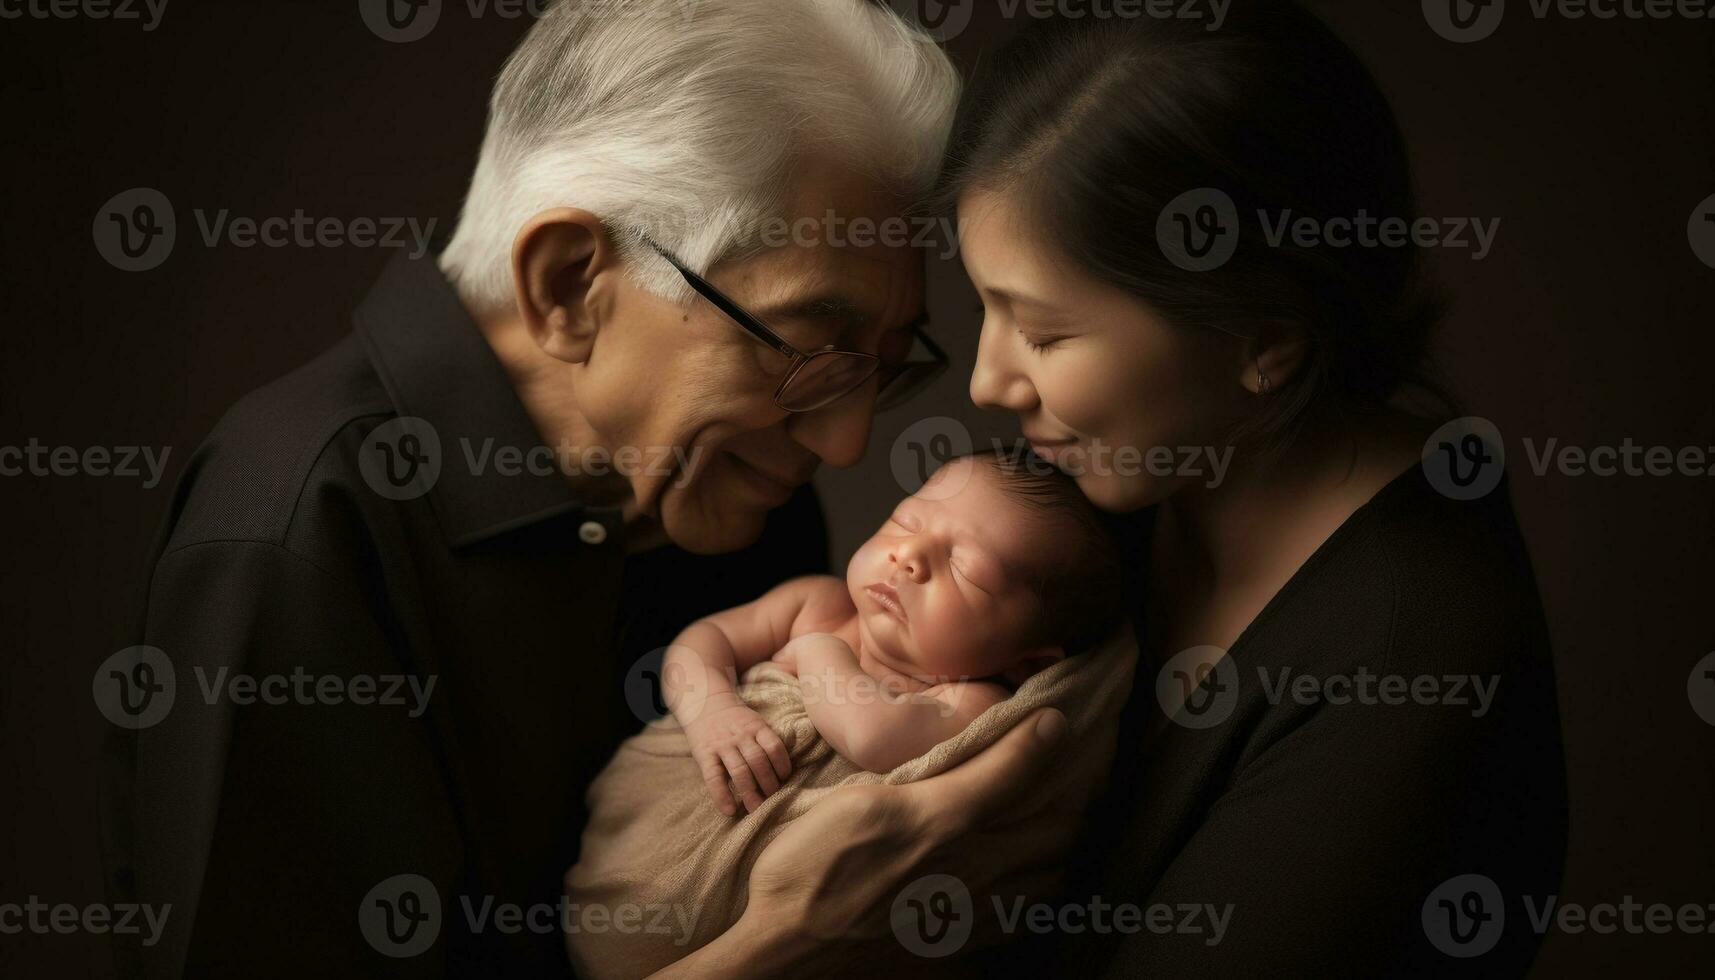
(705,528)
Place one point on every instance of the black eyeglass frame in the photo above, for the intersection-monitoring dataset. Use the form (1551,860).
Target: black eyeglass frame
(929,370)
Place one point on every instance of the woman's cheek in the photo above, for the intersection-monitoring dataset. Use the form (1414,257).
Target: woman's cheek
(1081,389)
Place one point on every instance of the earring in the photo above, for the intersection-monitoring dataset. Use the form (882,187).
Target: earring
(1262,382)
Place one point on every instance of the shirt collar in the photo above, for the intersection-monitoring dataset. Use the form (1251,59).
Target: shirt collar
(436,366)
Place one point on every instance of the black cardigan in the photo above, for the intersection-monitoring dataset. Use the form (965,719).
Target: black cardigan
(1336,838)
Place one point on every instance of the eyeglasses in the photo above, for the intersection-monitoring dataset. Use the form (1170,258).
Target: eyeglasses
(817,379)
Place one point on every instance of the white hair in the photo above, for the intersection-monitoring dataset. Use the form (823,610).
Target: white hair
(681,119)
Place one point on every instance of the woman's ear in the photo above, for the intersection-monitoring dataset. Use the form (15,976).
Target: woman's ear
(1273,356)
(558,263)
(1032,663)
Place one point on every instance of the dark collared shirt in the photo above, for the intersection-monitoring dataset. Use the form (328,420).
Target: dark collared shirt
(321,548)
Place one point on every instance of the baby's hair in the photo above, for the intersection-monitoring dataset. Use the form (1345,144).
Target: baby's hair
(1082,589)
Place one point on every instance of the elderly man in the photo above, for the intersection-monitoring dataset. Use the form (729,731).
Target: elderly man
(589,422)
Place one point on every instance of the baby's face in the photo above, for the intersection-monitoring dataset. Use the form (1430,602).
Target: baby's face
(946,588)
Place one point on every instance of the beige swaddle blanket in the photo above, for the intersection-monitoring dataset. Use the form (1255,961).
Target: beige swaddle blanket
(662,872)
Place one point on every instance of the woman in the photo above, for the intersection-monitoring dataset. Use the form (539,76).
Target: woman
(1345,736)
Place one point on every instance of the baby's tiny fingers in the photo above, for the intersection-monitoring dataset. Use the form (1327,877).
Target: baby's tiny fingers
(776,749)
(714,777)
(742,781)
(761,767)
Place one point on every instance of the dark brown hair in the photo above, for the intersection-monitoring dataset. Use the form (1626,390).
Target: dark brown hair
(1083,587)
(1099,124)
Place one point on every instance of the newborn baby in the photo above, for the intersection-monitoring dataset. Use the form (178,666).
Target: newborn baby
(954,622)
(988,574)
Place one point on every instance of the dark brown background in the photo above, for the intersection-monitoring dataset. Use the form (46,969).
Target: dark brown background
(1591,140)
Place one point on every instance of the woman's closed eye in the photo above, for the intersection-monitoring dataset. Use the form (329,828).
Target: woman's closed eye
(1040,344)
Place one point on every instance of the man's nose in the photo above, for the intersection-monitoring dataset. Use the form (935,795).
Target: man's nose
(838,433)
(906,557)
(996,382)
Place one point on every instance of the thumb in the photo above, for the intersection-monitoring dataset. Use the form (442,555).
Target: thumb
(986,785)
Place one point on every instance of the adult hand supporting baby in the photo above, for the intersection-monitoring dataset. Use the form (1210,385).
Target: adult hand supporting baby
(825,886)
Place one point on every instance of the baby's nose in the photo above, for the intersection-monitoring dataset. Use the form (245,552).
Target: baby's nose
(912,564)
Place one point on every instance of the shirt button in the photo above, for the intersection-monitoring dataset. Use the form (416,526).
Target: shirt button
(591,532)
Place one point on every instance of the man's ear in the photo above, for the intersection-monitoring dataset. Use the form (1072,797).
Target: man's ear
(563,271)
(1033,662)
(1275,353)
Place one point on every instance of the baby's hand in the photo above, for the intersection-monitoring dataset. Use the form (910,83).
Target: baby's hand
(732,744)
